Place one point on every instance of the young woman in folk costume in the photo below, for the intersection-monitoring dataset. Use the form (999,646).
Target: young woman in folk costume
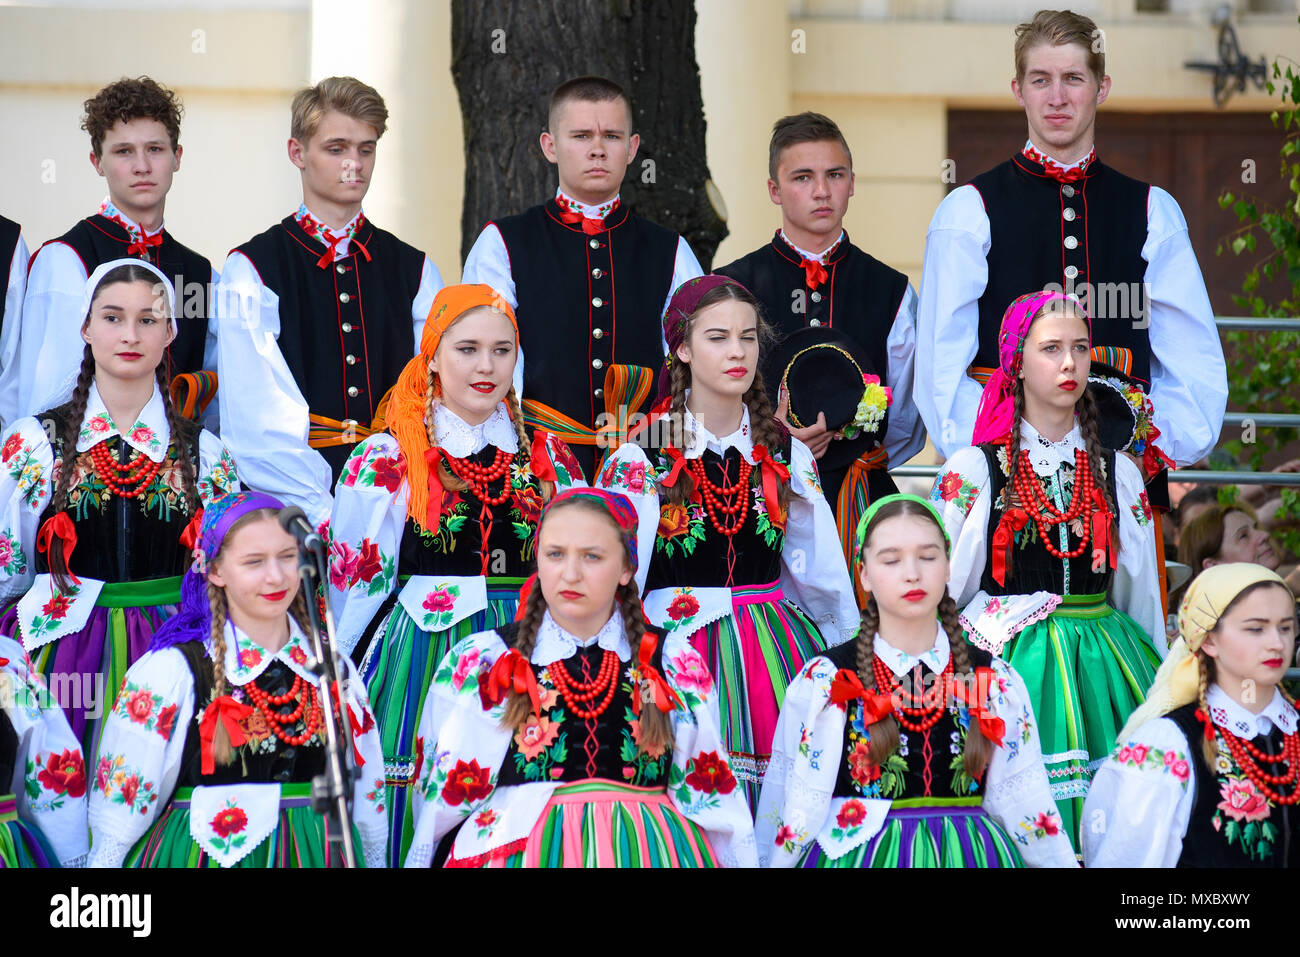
(209,752)
(1207,770)
(745,557)
(434,521)
(938,757)
(1054,556)
(578,736)
(42,772)
(93,552)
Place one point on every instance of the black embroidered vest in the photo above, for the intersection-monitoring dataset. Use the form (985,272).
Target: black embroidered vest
(1081,237)
(586,302)
(346,330)
(123,539)
(1232,824)
(562,746)
(97,239)
(860,298)
(1033,568)
(689,550)
(926,764)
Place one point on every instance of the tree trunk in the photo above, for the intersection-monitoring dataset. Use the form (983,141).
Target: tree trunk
(507,57)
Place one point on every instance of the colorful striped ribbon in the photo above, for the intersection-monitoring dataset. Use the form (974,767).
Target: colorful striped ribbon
(326,432)
(852,501)
(625,388)
(192,391)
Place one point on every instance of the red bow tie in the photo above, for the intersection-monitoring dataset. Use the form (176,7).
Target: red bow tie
(140,247)
(1061,175)
(571,217)
(814,271)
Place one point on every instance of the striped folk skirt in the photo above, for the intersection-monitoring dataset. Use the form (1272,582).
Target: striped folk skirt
(599,823)
(298,840)
(397,669)
(1087,667)
(930,832)
(753,654)
(84,670)
(21,845)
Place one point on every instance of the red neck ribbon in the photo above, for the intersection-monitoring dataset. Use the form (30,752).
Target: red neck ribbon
(510,671)
(665,698)
(1013,520)
(814,272)
(229,712)
(847,685)
(772,470)
(976,702)
(571,217)
(59,526)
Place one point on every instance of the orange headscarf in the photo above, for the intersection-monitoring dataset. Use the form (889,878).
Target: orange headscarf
(408,401)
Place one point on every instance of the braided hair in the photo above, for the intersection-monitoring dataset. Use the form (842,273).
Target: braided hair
(762,421)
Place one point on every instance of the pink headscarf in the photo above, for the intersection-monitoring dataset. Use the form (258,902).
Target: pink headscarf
(997,408)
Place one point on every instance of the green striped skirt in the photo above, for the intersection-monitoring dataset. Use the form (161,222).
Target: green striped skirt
(397,669)
(753,654)
(21,845)
(297,841)
(930,832)
(1087,666)
(598,823)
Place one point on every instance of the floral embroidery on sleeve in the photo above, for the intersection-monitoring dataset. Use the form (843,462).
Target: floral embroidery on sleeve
(621,475)
(12,559)
(813,479)
(466,783)
(1141,510)
(370,466)
(708,775)
(143,707)
(221,479)
(1038,826)
(124,785)
(567,469)
(61,774)
(376,794)
(953,488)
(1147,758)
(366,566)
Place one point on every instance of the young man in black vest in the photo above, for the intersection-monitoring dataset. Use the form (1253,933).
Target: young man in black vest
(13,256)
(811,275)
(583,270)
(134,128)
(320,313)
(1055,215)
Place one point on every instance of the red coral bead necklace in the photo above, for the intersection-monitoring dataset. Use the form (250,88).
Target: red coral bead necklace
(578,694)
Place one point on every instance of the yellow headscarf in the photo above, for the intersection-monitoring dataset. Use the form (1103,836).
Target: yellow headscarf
(409,399)
(1178,681)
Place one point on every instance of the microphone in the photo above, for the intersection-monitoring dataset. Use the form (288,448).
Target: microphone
(294,521)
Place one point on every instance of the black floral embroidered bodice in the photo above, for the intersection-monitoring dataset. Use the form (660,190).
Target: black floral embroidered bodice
(1033,567)
(927,763)
(1233,824)
(123,539)
(459,547)
(689,550)
(562,746)
(263,758)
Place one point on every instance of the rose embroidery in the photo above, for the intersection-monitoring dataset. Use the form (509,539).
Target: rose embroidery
(683,606)
(674,521)
(711,774)
(389,472)
(466,783)
(466,664)
(249,658)
(535,736)
(232,820)
(852,814)
(64,773)
(139,706)
(691,672)
(57,607)
(166,722)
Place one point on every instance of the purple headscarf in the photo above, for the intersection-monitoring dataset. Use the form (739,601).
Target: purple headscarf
(684,302)
(193,621)
(997,407)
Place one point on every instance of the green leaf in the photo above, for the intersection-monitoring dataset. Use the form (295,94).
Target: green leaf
(1238,244)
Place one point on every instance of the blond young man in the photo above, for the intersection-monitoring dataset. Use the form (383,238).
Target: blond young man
(1054,214)
(320,313)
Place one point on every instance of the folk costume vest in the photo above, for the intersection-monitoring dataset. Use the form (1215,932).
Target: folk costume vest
(1232,824)
(566,747)
(859,296)
(1081,236)
(97,239)
(585,302)
(123,539)
(345,327)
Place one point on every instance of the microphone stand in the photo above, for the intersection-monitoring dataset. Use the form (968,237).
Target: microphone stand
(331,791)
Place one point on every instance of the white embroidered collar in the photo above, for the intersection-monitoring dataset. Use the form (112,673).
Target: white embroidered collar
(555,644)
(1047,456)
(597,211)
(820,257)
(1088,156)
(458,438)
(701,438)
(1227,714)
(901,663)
(108,209)
(149,434)
(315,226)
(246,659)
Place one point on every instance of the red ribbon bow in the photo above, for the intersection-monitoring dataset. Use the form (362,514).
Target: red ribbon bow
(1101,528)
(771,470)
(59,526)
(1204,718)
(679,464)
(511,670)
(190,534)
(332,245)
(433,510)
(814,272)
(141,246)
(847,685)
(1062,175)
(571,217)
(976,701)
(1153,460)
(538,461)
(229,712)
(1013,520)
(665,698)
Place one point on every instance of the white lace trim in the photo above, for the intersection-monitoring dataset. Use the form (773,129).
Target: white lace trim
(1226,713)
(555,644)
(108,852)
(458,438)
(1047,456)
